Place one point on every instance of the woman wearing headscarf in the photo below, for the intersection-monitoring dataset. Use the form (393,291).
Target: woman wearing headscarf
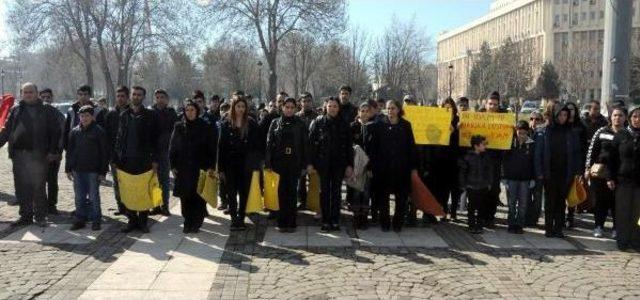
(192,148)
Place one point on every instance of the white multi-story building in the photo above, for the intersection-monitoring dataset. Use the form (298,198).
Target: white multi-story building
(568,33)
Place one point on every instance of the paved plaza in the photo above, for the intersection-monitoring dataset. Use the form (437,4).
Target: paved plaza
(436,262)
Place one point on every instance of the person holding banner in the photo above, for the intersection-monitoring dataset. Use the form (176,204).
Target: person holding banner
(33,132)
(192,148)
(287,155)
(331,155)
(393,160)
(238,150)
(136,149)
(557,160)
(489,215)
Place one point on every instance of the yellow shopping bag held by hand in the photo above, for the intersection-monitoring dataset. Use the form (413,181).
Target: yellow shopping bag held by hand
(208,188)
(139,192)
(313,196)
(271,182)
(577,193)
(254,201)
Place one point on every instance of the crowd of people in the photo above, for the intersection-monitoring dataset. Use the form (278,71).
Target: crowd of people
(369,146)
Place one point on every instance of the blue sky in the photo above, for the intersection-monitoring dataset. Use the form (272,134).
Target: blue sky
(433,16)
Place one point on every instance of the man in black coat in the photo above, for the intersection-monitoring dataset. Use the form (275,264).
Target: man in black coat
(54,166)
(136,148)
(83,94)
(112,121)
(331,155)
(33,133)
(348,111)
(166,117)
(307,114)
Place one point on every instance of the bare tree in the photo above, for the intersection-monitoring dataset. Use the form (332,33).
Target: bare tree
(230,65)
(398,56)
(302,55)
(271,21)
(578,69)
(65,21)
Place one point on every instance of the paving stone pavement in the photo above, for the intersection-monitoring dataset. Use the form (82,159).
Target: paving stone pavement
(439,262)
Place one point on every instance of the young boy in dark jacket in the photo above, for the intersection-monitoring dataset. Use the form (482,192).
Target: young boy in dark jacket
(87,162)
(476,175)
(517,170)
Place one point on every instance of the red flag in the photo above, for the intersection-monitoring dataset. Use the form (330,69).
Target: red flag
(423,199)
(5,107)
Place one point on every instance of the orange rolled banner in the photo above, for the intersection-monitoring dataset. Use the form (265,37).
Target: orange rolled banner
(423,199)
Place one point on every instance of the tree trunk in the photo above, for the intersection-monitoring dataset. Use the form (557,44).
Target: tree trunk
(88,65)
(273,79)
(104,65)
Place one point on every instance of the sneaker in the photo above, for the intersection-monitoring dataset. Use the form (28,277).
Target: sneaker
(22,222)
(614,234)
(318,216)
(223,207)
(281,229)
(569,224)
(559,235)
(77,226)
(96,226)
(53,211)
(597,232)
(548,234)
(335,227)
(325,228)
(519,230)
(41,223)
(186,230)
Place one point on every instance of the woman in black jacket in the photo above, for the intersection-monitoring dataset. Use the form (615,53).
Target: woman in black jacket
(624,165)
(239,150)
(597,159)
(393,159)
(287,155)
(191,149)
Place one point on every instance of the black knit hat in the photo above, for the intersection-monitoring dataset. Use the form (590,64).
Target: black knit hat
(494,95)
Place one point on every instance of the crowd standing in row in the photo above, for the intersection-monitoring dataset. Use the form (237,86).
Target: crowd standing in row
(371,147)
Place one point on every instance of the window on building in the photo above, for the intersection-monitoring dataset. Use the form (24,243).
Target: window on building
(600,74)
(584,16)
(556,20)
(565,18)
(593,15)
(602,14)
(557,2)
(565,1)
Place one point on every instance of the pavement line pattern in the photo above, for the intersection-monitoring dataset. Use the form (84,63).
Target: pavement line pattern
(166,264)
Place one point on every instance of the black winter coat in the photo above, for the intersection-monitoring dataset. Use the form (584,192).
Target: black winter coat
(88,150)
(348,112)
(166,118)
(111,124)
(393,153)
(476,171)
(591,126)
(73,119)
(147,134)
(287,143)
(192,148)
(624,163)
(330,145)
(600,147)
(236,151)
(40,133)
(517,163)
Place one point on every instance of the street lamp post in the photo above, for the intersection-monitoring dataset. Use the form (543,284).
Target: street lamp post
(450,79)
(259,80)
(2,81)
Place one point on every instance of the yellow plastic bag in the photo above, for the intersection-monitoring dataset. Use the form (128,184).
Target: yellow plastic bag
(313,195)
(577,193)
(271,182)
(139,192)
(208,188)
(254,203)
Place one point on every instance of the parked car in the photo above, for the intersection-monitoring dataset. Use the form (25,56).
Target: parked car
(528,107)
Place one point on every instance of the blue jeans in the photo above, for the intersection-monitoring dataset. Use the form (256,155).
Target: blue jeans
(518,195)
(86,186)
(163,179)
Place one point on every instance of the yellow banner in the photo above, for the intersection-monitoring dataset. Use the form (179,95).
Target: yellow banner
(431,125)
(496,127)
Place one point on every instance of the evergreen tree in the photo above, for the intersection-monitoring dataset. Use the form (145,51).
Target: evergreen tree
(548,83)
